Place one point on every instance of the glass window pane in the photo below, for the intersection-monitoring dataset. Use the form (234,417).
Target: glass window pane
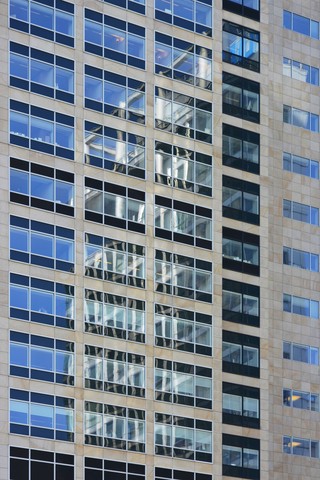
(93,32)
(19,239)
(42,301)
(41,130)
(114,316)
(114,205)
(136,375)
(231,456)
(184,9)
(250,458)
(136,46)
(250,407)
(19,354)
(42,358)
(19,124)
(19,297)
(64,23)
(182,384)
(231,352)
(93,200)
(41,15)
(42,73)
(114,39)
(64,193)
(301,24)
(93,424)
(41,416)
(64,363)
(65,136)
(65,250)
(19,9)
(93,368)
(163,325)
(64,419)
(41,244)
(136,320)
(232,404)
(19,66)
(64,306)
(64,80)
(203,14)
(42,187)
(183,438)
(203,335)
(19,412)
(19,181)
(136,211)
(115,372)
(250,356)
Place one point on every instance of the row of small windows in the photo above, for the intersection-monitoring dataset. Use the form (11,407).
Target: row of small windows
(41,244)
(181,168)
(50,303)
(183,115)
(240,456)
(241,46)
(301,212)
(193,15)
(301,259)
(114,39)
(301,353)
(42,187)
(301,400)
(41,72)
(301,165)
(300,306)
(41,301)
(114,371)
(183,222)
(301,446)
(246,8)
(42,358)
(137,6)
(183,276)
(184,61)
(240,97)
(41,415)
(300,71)
(114,94)
(115,205)
(41,129)
(297,23)
(301,118)
(34,464)
(53,20)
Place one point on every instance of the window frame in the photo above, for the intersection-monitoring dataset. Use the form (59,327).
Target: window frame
(245,87)
(245,344)
(242,33)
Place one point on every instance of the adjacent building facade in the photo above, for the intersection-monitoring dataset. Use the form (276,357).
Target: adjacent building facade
(160,251)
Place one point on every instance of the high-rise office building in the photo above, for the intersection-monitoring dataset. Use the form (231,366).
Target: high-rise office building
(159,262)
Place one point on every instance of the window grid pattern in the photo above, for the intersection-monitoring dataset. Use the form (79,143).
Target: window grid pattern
(184,384)
(241,46)
(168,474)
(301,353)
(301,446)
(183,222)
(40,301)
(52,21)
(40,72)
(114,205)
(301,400)
(114,371)
(42,358)
(240,251)
(114,316)
(240,456)
(241,405)
(302,166)
(300,306)
(241,149)
(240,354)
(114,150)
(297,23)
(301,118)
(183,276)
(96,468)
(41,244)
(183,437)
(183,61)
(114,261)
(301,212)
(183,115)
(240,200)
(42,187)
(114,39)
(184,169)
(300,71)
(137,6)
(240,97)
(114,427)
(25,463)
(246,8)
(183,330)
(193,15)
(301,259)
(114,94)
(240,302)
(42,130)
(41,415)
